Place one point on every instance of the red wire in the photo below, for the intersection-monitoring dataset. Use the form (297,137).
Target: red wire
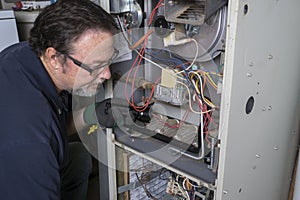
(159,4)
(131,103)
(144,107)
(177,125)
(136,70)
(127,79)
(207,119)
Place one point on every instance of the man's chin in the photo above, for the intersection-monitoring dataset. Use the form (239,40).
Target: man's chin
(87,90)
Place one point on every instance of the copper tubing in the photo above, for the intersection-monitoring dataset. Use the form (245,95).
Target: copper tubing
(150,31)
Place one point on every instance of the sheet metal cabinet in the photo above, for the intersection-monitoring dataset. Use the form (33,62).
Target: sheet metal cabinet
(259,122)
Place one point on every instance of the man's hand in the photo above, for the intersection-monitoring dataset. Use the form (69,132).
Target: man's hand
(104,113)
(100,112)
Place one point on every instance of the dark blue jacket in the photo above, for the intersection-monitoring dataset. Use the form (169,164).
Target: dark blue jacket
(32,128)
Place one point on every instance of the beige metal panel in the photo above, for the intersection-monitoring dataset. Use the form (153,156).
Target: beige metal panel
(262,61)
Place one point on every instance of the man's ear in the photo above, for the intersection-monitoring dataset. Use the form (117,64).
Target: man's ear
(51,58)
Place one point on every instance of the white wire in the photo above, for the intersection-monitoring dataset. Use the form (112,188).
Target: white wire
(194,60)
(159,66)
(182,191)
(197,50)
(196,88)
(150,61)
(162,68)
(183,185)
(123,31)
(195,186)
(190,100)
(201,89)
(187,194)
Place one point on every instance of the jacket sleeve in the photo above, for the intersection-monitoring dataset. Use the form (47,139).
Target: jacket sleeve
(29,171)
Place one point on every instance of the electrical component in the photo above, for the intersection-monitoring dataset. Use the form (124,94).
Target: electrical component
(130,10)
(175,109)
(168,78)
(162,27)
(174,189)
(182,188)
(169,90)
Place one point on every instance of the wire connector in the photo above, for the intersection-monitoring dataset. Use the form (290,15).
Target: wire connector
(171,40)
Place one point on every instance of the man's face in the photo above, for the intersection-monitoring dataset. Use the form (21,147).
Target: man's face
(94,50)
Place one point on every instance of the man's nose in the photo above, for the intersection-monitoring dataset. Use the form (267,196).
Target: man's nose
(105,74)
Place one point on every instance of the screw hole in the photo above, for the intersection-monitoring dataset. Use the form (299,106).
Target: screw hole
(240,190)
(249,105)
(246,9)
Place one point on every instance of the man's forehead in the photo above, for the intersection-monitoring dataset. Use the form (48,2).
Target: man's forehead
(91,41)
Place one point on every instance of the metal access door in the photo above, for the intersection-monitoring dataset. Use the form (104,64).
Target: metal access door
(260,108)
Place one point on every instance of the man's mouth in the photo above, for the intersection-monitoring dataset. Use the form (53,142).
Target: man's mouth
(89,89)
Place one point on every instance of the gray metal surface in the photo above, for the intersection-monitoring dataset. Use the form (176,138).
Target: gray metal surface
(193,12)
(8,33)
(262,61)
(25,20)
(210,39)
(188,12)
(158,152)
(121,6)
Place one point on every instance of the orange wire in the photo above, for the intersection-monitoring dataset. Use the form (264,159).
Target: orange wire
(144,107)
(145,37)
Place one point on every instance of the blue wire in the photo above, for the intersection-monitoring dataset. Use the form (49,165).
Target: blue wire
(153,54)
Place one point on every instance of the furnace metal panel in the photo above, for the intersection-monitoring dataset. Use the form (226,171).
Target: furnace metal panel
(262,61)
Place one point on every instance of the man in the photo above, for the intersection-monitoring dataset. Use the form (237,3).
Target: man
(70,47)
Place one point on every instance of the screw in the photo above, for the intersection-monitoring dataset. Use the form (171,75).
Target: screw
(249,74)
(270,108)
(264,109)
(225,192)
(276,148)
(257,156)
(270,57)
(251,64)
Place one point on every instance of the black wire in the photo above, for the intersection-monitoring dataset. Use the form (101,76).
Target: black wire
(145,188)
(160,173)
(216,51)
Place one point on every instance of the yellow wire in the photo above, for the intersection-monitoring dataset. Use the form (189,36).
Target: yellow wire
(211,81)
(201,93)
(190,101)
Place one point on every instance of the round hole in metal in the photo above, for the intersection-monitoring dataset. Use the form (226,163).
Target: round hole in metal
(249,105)
(246,9)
